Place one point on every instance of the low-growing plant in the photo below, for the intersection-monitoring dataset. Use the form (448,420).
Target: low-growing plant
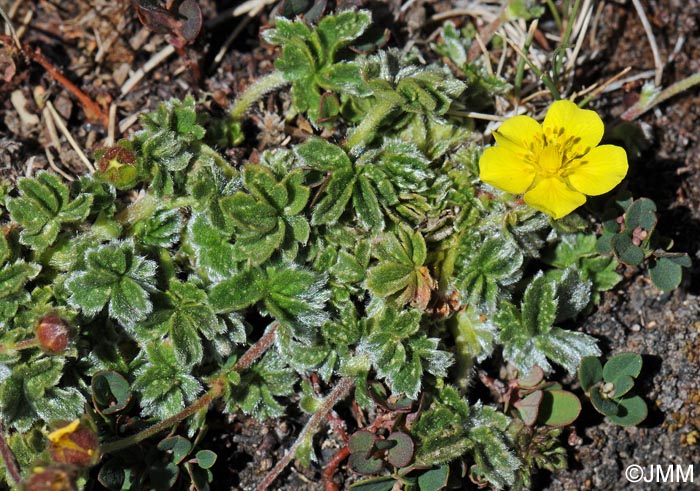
(368,257)
(610,387)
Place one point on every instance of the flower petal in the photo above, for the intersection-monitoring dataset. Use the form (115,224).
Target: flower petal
(506,170)
(553,197)
(518,134)
(600,170)
(575,122)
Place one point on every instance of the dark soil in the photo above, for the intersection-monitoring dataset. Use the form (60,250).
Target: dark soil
(96,42)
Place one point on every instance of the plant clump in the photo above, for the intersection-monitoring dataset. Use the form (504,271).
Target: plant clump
(371,256)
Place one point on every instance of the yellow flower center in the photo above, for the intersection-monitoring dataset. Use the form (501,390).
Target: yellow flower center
(556,154)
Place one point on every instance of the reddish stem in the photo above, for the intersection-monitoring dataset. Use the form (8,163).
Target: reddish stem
(93,111)
(332,468)
(8,457)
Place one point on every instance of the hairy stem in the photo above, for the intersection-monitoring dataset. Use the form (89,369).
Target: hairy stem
(145,206)
(216,391)
(644,104)
(262,86)
(337,394)
(220,162)
(20,345)
(365,131)
(8,457)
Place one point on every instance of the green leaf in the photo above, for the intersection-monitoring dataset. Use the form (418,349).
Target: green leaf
(382,483)
(622,364)
(110,392)
(43,206)
(296,298)
(30,393)
(189,315)
(114,275)
(642,213)
(590,372)
(4,249)
(602,404)
(632,411)
(163,384)
(667,271)
(483,270)
(623,384)
(260,386)
(559,408)
(240,291)
(539,306)
(434,479)
(179,446)
(205,459)
(626,251)
(401,454)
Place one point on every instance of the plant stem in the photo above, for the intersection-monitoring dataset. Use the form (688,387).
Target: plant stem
(220,162)
(337,394)
(555,14)
(145,206)
(364,132)
(20,345)
(216,390)
(8,457)
(643,105)
(200,403)
(255,91)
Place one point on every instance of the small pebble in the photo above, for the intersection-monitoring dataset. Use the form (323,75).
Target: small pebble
(635,327)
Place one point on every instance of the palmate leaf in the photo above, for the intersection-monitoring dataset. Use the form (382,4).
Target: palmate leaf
(188,317)
(451,428)
(29,393)
(294,296)
(400,353)
(529,337)
(389,177)
(164,385)
(269,218)
(213,250)
(167,144)
(484,269)
(115,276)
(400,274)
(331,159)
(260,386)
(13,278)
(308,58)
(43,206)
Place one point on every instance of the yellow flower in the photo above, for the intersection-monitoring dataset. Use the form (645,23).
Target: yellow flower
(555,164)
(74,443)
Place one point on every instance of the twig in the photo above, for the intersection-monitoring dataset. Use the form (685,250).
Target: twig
(155,60)
(474,115)
(56,168)
(337,394)
(232,37)
(8,457)
(581,36)
(216,390)
(61,126)
(643,106)
(9,25)
(595,89)
(658,64)
(92,110)
(112,128)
